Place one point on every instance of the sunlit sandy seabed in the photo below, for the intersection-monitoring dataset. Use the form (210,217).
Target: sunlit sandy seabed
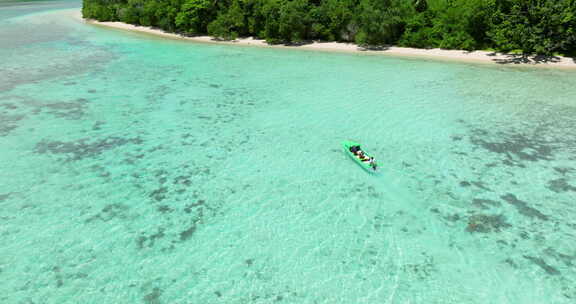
(140,170)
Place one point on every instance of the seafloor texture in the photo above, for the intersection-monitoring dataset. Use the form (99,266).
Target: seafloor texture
(141,170)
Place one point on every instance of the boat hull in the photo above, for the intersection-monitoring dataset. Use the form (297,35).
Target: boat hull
(366,165)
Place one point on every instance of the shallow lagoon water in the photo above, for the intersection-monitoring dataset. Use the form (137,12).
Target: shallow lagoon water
(135,169)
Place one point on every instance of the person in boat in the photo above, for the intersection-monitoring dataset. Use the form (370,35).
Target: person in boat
(367,159)
(363,156)
(372,163)
(355,150)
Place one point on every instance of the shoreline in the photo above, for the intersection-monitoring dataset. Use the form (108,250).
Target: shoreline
(437,54)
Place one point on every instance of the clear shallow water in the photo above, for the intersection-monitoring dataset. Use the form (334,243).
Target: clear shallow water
(140,170)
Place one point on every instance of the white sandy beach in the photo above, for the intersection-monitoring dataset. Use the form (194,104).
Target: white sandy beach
(440,54)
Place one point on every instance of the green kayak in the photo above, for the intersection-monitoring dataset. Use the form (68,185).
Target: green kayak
(350,147)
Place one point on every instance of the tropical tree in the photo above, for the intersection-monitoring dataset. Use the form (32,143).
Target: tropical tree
(194,16)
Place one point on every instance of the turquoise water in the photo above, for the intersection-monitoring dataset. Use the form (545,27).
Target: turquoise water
(140,170)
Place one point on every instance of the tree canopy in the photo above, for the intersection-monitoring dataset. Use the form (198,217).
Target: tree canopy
(529,26)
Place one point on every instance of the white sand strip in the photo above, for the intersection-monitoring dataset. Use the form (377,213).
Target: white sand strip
(456,55)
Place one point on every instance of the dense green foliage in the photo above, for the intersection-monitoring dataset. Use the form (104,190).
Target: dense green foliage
(530,26)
